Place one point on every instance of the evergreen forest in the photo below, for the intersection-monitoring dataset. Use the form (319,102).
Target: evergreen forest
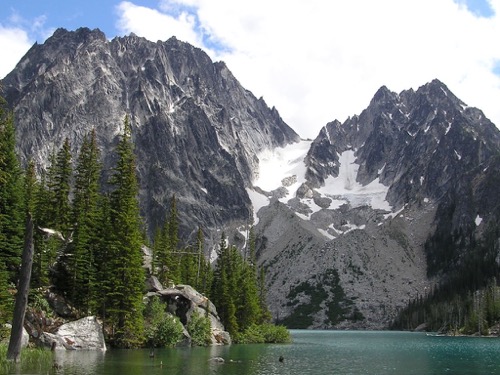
(89,242)
(467,299)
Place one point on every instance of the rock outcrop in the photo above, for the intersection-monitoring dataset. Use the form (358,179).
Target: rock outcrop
(82,334)
(183,301)
(25,338)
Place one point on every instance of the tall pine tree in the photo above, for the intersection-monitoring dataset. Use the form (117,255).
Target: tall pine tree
(63,174)
(11,196)
(223,287)
(125,299)
(80,254)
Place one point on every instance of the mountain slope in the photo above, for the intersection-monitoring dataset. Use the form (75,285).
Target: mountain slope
(196,129)
(376,189)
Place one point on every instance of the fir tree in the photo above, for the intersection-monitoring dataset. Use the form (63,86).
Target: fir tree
(249,308)
(30,188)
(223,287)
(63,174)
(204,273)
(125,305)
(11,199)
(45,245)
(81,252)
(103,257)
(167,255)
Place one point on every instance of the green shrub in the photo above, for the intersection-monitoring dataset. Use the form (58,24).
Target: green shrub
(162,329)
(168,332)
(264,333)
(275,334)
(199,329)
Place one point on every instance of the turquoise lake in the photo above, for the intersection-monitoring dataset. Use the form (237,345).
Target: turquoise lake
(312,352)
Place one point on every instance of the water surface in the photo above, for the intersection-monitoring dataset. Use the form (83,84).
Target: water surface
(311,353)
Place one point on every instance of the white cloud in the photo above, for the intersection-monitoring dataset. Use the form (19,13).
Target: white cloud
(15,42)
(156,25)
(17,35)
(319,60)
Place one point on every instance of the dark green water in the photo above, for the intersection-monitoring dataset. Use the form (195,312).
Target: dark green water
(311,353)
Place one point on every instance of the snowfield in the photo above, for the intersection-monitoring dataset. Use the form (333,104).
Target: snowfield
(285,168)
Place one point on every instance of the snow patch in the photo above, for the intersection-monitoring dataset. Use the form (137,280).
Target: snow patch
(478,220)
(448,128)
(258,201)
(346,189)
(326,234)
(284,168)
(280,163)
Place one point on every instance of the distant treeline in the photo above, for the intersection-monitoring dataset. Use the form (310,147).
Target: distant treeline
(467,301)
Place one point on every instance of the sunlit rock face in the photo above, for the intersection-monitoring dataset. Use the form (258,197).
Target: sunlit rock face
(196,129)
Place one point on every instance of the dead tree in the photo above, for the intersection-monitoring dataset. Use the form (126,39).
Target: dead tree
(14,351)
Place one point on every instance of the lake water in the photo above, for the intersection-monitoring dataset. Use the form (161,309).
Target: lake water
(311,353)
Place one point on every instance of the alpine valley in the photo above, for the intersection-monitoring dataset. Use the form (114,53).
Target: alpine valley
(373,213)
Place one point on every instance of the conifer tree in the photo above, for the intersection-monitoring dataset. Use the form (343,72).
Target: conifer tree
(103,257)
(189,267)
(167,257)
(155,265)
(44,246)
(81,252)
(30,188)
(204,269)
(125,305)
(11,206)
(223,287)
(63,174)
(248,305)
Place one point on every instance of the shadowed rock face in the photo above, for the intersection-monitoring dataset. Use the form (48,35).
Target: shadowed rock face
(183,301)
(196,129)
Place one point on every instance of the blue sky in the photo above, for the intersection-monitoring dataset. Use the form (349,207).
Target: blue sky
(315,60)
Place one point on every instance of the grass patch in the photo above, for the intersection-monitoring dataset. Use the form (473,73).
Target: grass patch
(32,361)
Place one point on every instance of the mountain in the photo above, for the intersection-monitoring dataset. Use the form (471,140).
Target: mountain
(357,223)
(351,226)
(196,129)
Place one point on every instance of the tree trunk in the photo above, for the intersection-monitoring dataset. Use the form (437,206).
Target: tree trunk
(14,351)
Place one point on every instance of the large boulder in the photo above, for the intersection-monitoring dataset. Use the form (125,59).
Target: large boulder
(183,301)
(153,284)
(82,334)
(25,338)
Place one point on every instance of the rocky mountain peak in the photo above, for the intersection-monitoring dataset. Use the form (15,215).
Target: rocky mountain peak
(377,187)
(197,130)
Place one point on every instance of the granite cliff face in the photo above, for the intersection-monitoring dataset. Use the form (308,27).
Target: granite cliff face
(347,224)
(196,129)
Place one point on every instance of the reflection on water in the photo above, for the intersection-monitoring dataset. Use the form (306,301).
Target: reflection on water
(312,352)
(81,362)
